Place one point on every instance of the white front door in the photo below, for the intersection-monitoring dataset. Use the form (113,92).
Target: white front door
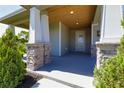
(80,41)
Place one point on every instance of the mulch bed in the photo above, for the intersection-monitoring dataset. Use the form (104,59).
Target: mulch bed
(28,81)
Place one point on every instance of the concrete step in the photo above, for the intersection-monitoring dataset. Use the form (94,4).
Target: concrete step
(70,79)
(47,83)
(64,79)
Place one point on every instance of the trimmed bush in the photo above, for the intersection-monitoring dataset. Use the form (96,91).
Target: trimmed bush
(111,73)
(12,67)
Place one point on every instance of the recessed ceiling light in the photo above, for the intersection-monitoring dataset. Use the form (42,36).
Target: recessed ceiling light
(71,12)
(77,23)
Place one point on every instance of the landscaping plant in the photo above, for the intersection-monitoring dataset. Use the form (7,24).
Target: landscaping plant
(12,67)
(23,39)
(111,73)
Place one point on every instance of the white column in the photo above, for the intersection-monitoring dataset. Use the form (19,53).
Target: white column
(35,27)
(12,27)
(111,30)
(45,27)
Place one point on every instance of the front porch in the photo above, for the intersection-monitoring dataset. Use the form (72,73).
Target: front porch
(63,29)
(73,70)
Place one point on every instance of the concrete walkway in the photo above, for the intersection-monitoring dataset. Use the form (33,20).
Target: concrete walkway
(47,83)
(72,70)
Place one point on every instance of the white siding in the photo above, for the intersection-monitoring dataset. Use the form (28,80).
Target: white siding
(54,38)
(96,24)
(64,39)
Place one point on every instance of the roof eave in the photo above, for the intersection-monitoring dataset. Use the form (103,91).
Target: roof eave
(25,7)
(12,14)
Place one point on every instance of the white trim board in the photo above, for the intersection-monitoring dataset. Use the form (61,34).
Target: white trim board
(60,38)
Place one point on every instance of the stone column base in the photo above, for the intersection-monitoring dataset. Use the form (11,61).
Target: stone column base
(47,53)
(104,51)
(36,56)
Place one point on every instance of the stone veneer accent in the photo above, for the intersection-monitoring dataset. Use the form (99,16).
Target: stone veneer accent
(36,56)
(104,51)
(47,54)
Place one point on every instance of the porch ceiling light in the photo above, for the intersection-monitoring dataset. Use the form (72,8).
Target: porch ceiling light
(77,23)
(71,12)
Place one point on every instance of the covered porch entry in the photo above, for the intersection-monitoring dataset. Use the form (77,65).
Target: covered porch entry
(70,37)
(73,69)
(70,29)
(67,29)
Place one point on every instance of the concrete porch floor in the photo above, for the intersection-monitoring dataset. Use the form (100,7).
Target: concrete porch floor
(73,69)
(77,63)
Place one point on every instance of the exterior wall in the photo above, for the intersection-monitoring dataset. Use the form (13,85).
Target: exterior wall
(59,39)
(64,39)
(95,38)
(54,38)
(96,25)
(87,40)
(72,40)
(98,15)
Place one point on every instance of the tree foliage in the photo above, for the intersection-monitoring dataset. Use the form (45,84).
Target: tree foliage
(23,39)
(12,67)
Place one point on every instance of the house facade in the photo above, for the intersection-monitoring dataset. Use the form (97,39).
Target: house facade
(60,29)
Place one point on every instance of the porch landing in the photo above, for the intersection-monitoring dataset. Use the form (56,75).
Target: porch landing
(73,70)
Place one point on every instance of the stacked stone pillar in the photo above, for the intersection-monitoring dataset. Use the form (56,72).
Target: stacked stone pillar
(35,55)
(47,53)
(38,50)
(105,51)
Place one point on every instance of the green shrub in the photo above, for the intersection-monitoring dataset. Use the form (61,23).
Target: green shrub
(23,39)
(111,73)
(12,67)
